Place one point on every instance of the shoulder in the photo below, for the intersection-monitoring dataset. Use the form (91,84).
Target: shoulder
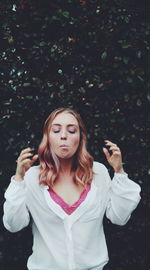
(32,173)
(99,167)
(33,170)
(101,175)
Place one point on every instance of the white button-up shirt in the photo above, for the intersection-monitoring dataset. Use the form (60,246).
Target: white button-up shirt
(69,242)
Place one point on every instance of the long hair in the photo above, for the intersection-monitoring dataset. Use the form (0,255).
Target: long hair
(49,163)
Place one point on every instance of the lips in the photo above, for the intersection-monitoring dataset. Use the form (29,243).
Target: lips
(63,145)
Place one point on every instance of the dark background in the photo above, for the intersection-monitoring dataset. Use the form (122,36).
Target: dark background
(91,56)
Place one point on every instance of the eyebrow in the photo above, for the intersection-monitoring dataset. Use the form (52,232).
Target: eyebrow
(69,125)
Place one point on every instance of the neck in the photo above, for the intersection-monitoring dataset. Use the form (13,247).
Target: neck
(66,166)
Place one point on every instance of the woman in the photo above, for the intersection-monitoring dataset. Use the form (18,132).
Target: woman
(66,197)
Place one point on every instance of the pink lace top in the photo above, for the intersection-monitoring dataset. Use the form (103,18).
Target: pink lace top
(65,206)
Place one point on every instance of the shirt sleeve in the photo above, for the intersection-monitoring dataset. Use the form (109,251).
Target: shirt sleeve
(16,215)
(124,196)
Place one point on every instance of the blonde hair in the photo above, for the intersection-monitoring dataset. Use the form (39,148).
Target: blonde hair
(49,163)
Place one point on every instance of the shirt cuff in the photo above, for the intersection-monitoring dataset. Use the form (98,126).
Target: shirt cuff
(121,174)
(120,177)
(19,183)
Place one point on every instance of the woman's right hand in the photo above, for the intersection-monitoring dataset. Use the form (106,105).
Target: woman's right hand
(24,163)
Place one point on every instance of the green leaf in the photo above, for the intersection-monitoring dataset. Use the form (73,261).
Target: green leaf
(26,84)
(129,80)
(125,46)
(42,44)
(104,55)
(29,97)
(82,90)
(126,60)
(66,14)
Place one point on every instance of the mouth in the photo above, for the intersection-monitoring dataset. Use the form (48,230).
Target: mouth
(64,145)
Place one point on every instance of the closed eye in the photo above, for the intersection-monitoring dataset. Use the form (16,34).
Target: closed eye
(56,131)
(72,131)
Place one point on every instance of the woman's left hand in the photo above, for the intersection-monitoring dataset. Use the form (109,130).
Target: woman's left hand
(114,159)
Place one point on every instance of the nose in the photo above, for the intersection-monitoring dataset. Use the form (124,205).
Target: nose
(63,134)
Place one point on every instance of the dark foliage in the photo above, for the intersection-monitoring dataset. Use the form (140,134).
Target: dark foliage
(92,56)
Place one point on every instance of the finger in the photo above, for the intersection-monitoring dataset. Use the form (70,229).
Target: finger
(114,148)
(26,150)
(22,153)
(106,153)
(24,156)
(109,143)
(26,161)
(116,153)
(34,157)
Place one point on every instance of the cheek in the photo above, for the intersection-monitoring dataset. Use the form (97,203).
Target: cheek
(53,140)
(75,141)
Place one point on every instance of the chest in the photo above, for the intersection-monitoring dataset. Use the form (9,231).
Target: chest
(70,193)
(43,207)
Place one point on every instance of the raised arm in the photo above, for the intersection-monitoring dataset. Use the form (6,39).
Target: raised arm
(16,215)
(124,194)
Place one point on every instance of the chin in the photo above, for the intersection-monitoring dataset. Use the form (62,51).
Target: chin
(63,157)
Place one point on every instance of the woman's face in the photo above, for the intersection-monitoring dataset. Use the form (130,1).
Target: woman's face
(64,135)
